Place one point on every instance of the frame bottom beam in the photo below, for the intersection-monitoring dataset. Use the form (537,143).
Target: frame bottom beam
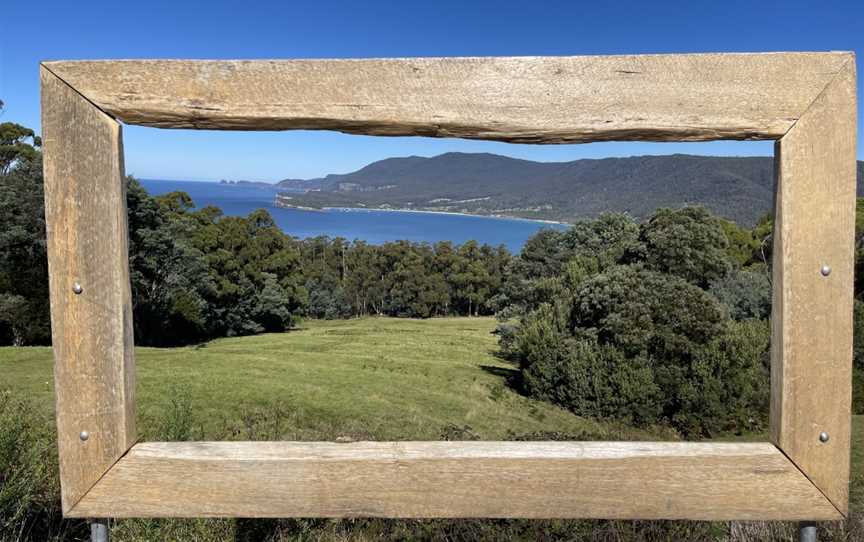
(615,480)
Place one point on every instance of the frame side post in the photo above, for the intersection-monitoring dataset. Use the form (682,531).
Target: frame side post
(811,353)
(88,265)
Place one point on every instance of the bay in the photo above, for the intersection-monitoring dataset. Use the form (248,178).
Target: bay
(372,226)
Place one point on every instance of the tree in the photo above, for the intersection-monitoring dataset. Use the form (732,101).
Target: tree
(364,284)
(446,264)
(645,347)
(170,279)
(742,245)
(414,291)
(687,242)
(644,312)
(746,294)
(763,234)
(17,144)
(588,378)
(248,257)
(607,239)
(544,254)
(471,280)
(326,299)
(400,278)
(726,388)
(632,322)
(273,310)
(24,309)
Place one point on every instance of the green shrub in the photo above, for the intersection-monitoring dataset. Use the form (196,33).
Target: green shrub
(581,375)
(606,239)
(538,345)
(591,380)
(858,336)
(177,424)
(29,476)
(745,293)
(857,391)
(645,347)
(326,300)
(727,386)
(689,243)
(646,313)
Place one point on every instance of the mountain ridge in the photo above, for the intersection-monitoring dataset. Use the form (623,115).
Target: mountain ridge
(737,188)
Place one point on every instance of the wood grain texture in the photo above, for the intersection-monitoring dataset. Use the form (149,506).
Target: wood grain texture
(522,99)
(812,314)
(85,213)
(457,479)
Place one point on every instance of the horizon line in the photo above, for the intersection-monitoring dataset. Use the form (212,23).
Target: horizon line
(277,181)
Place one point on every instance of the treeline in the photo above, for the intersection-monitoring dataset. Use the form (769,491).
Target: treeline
(197,274)
(400,278)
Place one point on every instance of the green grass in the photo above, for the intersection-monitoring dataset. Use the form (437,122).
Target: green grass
(856,496)
(371,378)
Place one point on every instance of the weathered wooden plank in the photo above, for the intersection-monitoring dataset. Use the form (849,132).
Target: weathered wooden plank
(522,99)
(457,479)
(812,313)
(85,212)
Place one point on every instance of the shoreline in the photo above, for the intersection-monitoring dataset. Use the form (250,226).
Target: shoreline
(367,209)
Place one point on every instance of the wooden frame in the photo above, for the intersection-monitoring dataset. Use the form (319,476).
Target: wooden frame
(805,101)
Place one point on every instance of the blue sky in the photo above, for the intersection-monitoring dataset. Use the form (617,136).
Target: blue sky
(30,32)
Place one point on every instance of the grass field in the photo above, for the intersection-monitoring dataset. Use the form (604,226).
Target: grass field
(373,378)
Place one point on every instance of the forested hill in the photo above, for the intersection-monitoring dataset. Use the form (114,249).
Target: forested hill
(740,189)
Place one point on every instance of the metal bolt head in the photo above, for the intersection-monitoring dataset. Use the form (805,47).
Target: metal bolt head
(823,437)
(77,288)
(826,270)
(84,435)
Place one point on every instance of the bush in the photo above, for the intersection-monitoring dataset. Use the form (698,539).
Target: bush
(326,300)
(689,243)
(537,345)
(606,239)
(29,481)
(645,347)
(745,293)
(727,386)
(857,392)
(646,313)
(858,336)
(591,380)
(507,345)
(585,377)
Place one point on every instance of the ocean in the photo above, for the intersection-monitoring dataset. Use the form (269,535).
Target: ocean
(374,227)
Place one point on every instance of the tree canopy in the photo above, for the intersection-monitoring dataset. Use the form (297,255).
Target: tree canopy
(658,322)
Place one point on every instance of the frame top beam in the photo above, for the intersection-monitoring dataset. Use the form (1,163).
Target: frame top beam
(698,97)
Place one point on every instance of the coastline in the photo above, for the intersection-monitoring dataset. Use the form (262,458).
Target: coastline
(367,209)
